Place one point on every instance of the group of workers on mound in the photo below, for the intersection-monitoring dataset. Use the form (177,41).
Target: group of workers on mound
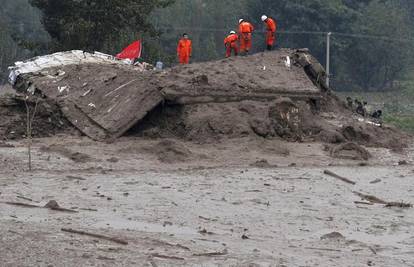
(235,43)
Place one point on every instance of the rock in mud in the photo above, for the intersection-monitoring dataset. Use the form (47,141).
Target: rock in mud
(333,236)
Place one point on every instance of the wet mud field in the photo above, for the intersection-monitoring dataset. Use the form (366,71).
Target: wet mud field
(237,202)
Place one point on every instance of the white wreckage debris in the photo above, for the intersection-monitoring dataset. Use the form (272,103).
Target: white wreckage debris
(74,57)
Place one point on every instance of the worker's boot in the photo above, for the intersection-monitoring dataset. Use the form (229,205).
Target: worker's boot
(269,47)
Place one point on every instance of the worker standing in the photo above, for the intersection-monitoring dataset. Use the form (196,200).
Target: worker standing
(231,44)
(245,32)
(271,27)
(184,49)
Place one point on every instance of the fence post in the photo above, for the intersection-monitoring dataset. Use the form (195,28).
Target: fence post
(328,58)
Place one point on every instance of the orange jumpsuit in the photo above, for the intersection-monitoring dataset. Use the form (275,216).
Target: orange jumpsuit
(184,50)
(231,44)
(245,32)
(271,27)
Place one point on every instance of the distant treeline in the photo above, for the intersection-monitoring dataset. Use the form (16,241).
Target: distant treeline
(374,52)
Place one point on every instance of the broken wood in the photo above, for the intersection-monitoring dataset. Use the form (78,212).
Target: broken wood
(53,205)
(388,204)
(209,254)
(25,198)
(343,179)
(398,205)
(160,242)
(363,203)
(108,238)
(370,198)
(156,255)
(324,249)
(70,177)
(21,204)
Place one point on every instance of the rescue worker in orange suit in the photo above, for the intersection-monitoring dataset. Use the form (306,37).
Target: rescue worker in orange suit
(271,27)
(184,49)
(231,44)
(245,33)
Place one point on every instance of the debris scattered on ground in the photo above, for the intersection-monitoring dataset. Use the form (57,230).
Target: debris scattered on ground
(212,254)
(108,238)
(332,174)
(398,205)
(156,255)
(388,204)
(21,205)
(376,181)
(52,205)
(205,232)
(25,198)
(370,198)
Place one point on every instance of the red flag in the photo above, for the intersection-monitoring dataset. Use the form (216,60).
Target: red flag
(133,51)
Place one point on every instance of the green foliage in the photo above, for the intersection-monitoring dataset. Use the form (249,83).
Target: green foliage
(21,34)
(376,64)
(92,24)
(403,122)
(358,62)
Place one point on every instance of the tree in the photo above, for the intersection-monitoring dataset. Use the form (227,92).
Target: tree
(91,24)
(377,63)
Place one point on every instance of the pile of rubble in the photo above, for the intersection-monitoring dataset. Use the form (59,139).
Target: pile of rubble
(280,94)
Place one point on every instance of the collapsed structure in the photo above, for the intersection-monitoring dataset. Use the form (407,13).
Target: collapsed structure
(274,94)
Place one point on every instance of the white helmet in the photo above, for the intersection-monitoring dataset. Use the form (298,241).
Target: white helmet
(241,20)
(264,18)
(232,32)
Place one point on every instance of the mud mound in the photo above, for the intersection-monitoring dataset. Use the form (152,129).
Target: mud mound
(370,135)
(209,122)
(259,95)
(48,121)
(169,151)
(74,156)
(350,151)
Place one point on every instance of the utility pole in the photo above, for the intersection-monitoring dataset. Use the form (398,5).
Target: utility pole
(328,58)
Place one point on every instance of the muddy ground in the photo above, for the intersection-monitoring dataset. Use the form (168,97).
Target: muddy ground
(236,202)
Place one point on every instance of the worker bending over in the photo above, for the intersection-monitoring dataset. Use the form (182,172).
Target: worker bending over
(245,32)
(231,44)
(271,27)
(184,49)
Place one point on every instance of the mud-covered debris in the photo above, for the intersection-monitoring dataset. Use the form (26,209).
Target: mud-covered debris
(350,151)
(402,162)
(205,232)
(332,174)
(211,254)
(244,237)
(398,205)
(156,255)
(113,160)
(376,181)
(52,204)
(333,236)
(263,163)
(108,238)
